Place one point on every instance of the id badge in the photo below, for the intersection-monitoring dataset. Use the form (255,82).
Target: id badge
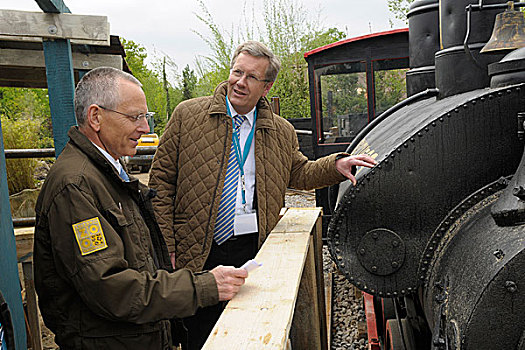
(245,223)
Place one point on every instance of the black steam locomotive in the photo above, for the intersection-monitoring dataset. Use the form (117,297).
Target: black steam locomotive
(435,233)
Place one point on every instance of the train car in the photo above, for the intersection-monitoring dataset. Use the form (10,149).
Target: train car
(435,233)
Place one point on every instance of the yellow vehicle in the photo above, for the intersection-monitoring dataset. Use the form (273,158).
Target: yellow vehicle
(142,162)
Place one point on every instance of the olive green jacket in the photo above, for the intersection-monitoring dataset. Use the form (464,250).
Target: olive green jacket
(189,169)
(100,263)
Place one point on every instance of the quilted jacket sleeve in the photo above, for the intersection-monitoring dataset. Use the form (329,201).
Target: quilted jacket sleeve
(306,174)
(163,178)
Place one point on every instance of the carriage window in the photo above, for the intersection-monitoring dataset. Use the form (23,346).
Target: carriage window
(390,84)
(343,101)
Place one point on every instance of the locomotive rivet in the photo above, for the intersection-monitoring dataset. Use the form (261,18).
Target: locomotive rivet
(379,166)
(447,223)
(456,110)
(433,123)
(375,235)
(422,277)
(372,291)
(395,243)
(403,291)
(395,264)
(380,294)
(511,286)
(442,229)
(430,248)
(473,102)
(342,264)
(419,134)
(412,139)
(357,189)
(509,91)
(362,251)
(386,161)
(350,278)
(427,129)
(441,119)
(337,236)
(388,294)
(451,217)
(358,284)
(490,189)
(423,269)
(373,172)
(399,150)
(499,254)
(434,242)
(438,235)
(482,99)
(337,250)
(339,257)
(500,93)
(352,196)
(392,155)
(405,145)
(449,115)
(429,256)
(491,97)
(425,262)
(409,289)
(465,106)
(374,268)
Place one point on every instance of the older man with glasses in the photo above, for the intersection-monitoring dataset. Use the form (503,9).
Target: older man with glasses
(222,169)
(102,270)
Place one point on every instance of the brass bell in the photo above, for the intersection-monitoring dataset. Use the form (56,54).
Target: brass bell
(509,31)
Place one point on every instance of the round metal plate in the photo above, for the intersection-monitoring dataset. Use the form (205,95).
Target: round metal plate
(381,252)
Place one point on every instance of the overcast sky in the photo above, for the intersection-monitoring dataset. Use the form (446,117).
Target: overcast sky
(166,25)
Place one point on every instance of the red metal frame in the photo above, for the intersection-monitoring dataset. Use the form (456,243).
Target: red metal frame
(371,323)
(342,42)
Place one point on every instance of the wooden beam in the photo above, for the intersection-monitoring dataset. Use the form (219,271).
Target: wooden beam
(33,26)
(32,59)
(53,6)
(278,294)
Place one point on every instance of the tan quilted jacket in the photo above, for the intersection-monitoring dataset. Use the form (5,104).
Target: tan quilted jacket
(189,168)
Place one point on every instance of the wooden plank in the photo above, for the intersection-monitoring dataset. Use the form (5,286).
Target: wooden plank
(328,298)
(317,235)
(32,58)
(32,308)
(33,26)
(260,315)
(298,220)
(24,242)
(306,328)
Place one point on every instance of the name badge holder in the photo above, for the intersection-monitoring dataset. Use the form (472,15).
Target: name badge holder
(247,222)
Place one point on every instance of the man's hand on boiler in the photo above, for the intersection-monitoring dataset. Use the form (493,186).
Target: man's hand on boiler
(346,164)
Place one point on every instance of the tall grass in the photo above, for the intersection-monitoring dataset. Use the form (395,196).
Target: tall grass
(20,133)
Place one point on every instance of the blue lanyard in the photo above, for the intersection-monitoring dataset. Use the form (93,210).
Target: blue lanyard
(241,158)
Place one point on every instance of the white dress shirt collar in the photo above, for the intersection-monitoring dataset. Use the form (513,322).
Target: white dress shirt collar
(112,160)
(249,115)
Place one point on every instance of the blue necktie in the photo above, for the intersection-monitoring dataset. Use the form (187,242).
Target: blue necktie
(123,175)
(226,215)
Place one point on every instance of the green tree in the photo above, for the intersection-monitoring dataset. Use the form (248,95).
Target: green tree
(152,81)
(189,82)
(399,9)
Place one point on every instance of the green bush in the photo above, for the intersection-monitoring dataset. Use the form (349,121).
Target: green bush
(20,133)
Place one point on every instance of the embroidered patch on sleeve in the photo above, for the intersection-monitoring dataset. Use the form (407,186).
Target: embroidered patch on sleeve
(89,235)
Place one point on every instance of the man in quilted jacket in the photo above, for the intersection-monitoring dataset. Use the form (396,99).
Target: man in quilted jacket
(102,271)
(221,172)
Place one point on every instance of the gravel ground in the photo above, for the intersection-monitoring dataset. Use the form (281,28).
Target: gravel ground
(347,310)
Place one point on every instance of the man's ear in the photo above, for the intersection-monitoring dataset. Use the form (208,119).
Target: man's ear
(93,117)
(267,88)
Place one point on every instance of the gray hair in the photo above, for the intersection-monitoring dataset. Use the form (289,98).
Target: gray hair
(257,49)
(99,86)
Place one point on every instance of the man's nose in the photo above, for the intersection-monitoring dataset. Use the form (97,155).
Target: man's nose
(143,126)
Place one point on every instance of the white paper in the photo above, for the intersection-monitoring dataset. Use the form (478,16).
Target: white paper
(251,265)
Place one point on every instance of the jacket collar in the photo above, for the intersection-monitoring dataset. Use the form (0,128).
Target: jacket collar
(80,141)
(265,118)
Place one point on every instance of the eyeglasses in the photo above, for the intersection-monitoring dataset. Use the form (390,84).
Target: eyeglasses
(136,118)
(250,77)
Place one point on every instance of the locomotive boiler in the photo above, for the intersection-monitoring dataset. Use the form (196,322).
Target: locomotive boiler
(436,231)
